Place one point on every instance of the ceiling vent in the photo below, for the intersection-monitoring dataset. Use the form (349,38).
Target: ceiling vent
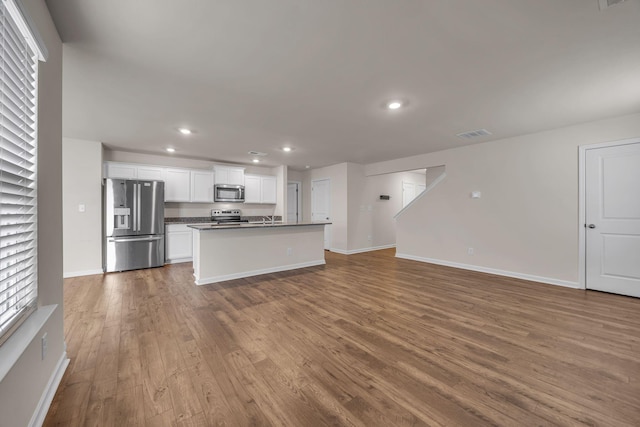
(605,4)
(257,153)
(474,134)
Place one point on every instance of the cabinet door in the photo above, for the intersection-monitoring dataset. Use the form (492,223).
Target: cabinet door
(221,175)
(269,193)
(121,170)
(151,173)
(236,176)
(177,187)
(179,243)
(202,186)
(252,189)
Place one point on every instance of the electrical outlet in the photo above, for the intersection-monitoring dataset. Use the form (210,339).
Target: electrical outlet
(82,207)
(470,251)
(44,346)
(289,251)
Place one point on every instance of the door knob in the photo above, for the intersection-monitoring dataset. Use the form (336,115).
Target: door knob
(592,226)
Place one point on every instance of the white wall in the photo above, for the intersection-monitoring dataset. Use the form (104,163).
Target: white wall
(526,222)
(82,184)
(24,385)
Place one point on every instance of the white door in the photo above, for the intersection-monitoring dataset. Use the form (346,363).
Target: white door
(408,193)
(613,219)
(321,206)
(292,202)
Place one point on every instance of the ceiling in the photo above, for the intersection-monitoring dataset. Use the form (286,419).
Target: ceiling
(315,74)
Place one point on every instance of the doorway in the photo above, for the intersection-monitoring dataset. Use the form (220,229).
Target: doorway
(610,217)
(294,201)
(321,206)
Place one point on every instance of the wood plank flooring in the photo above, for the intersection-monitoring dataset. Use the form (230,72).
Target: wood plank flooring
(367,340)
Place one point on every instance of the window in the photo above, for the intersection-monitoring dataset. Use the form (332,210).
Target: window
(19,54)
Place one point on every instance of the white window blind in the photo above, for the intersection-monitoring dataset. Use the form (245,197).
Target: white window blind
(18,95)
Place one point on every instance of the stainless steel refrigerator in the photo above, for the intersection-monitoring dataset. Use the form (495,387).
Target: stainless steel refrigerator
(133,224)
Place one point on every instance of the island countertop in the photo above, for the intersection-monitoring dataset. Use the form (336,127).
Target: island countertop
(252,225)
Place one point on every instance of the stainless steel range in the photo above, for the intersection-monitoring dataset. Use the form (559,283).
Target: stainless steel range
(227,216)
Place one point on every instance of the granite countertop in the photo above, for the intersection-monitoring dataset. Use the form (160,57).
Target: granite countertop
(207,219)
(206,227)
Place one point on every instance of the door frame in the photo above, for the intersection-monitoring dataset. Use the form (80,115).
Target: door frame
(330,231)
(299,184)
(582,199)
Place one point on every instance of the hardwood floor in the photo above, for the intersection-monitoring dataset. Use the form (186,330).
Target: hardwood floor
(367,340)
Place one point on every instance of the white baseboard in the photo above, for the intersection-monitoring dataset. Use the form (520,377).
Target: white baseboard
(179,260)
(222,278)
(362,250)
(495,271)
(81,273)
(37,419)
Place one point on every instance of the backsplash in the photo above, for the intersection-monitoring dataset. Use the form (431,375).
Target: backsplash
(203,210)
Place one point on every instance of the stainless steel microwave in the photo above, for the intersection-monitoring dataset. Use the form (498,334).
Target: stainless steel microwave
(228,193)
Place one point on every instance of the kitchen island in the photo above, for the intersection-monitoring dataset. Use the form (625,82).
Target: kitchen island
(233,251)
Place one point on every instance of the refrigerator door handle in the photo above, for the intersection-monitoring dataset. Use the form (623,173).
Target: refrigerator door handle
(135,239)
(138,205)
(134,224)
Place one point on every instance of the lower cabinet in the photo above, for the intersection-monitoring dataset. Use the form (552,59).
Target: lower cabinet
(179,243)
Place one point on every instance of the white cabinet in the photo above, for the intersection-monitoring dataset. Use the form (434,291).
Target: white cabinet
(229,175)
(201,186)
(154,173)
(260,189)
(178,243)
(269,189)
(131,171)
(252,189)
(120,170)
(177,185)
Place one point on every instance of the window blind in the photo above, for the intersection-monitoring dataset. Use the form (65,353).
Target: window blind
(18,221)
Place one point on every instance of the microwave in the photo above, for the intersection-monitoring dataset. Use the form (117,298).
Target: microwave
(228,193)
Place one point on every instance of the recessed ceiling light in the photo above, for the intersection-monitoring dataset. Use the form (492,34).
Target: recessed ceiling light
(185,131)
(171,150)
(256,160)
(286,149)
(394,105)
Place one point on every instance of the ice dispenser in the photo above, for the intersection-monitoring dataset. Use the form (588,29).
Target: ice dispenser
(121,217)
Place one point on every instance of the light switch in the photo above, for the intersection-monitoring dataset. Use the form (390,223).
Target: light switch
(81,207)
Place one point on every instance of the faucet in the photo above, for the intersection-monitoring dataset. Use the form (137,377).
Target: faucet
(268,218)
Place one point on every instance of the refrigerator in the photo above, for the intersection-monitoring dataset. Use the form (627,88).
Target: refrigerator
(133,224)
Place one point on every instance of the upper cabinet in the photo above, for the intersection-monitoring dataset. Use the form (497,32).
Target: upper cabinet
(201,186)
(153,173)
(131,171)
(120,170)
(177,185)
(260,189)
(180,185)
(196,185)
(229,175)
